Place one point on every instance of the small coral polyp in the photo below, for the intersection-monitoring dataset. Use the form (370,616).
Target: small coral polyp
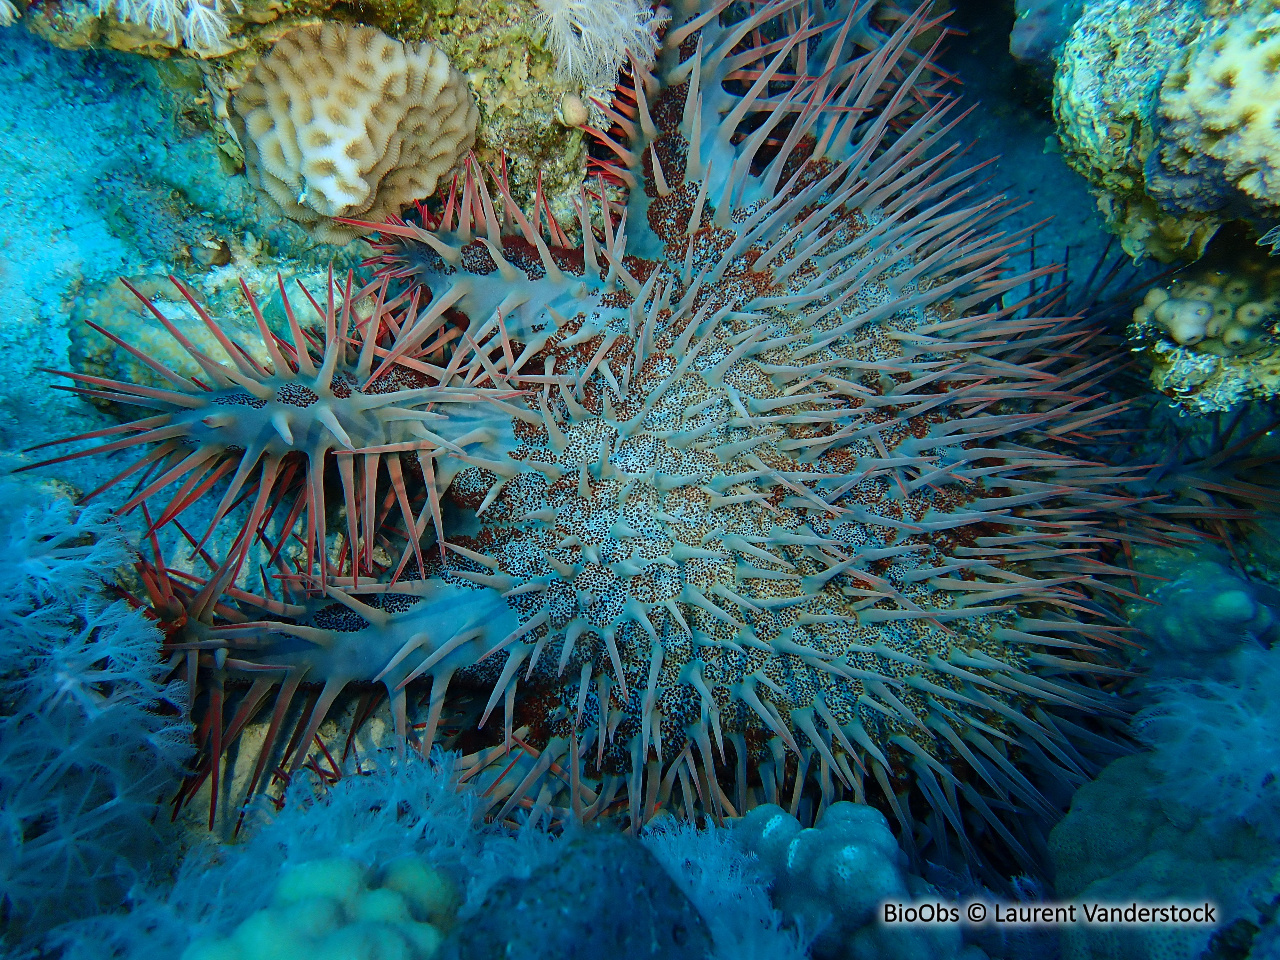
(774,511)
(1216,312)
(1211,333)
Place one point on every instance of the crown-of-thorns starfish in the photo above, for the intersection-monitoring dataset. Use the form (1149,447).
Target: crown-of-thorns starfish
(357,395)
(770,500)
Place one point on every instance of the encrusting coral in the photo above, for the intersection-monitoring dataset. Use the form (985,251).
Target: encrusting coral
(1105,92)
(1194,820)
(1129,835)
(754,496)
(1219,111)
(1202,613)
(344,121)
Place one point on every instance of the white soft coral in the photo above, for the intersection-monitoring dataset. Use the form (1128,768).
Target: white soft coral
(202,23)
(205,27)
(1215,741)
(91,733)
(590,39)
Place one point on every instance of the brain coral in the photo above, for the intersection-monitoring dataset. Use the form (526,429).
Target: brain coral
(344,121)
(756,496)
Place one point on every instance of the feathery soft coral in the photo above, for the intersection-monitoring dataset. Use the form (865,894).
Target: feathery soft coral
(202,23)
(590,39)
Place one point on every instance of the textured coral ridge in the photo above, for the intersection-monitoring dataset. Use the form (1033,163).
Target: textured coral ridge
(761,510)
(1220,112)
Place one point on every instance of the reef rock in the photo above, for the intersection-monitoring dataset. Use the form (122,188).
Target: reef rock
(1125,840)
(121,309)
(1167,107)
(1105,94)
(604,895)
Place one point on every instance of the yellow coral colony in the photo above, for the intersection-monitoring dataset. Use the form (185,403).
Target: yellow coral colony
(1224,103)
(344,121)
